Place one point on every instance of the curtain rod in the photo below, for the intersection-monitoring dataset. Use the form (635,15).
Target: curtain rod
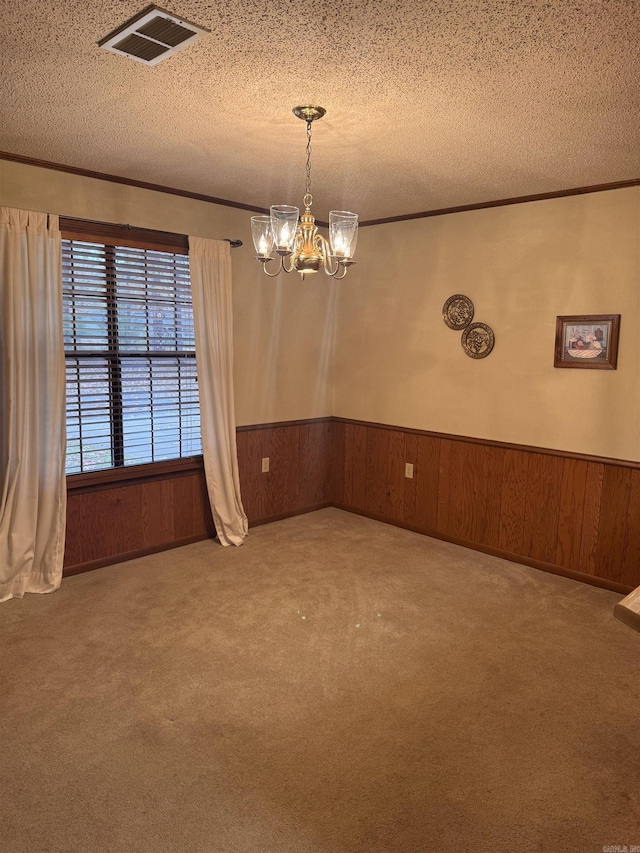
(235,244)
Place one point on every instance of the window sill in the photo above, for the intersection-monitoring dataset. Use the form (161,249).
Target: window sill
(130,474)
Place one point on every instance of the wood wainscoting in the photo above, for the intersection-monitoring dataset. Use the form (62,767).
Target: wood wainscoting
(299,476)
(574,515)
(565,513)
(122,514)
(112,521)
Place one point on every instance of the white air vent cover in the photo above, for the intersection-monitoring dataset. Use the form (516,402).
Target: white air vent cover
(152,35)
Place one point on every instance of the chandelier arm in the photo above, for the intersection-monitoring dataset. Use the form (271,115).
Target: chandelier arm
(322,244)
(264,267)
(344,272)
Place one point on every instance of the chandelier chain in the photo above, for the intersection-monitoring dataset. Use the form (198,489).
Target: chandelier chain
(308,199)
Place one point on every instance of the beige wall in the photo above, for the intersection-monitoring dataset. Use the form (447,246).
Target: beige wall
(283,330)
(395,360)
(397,363)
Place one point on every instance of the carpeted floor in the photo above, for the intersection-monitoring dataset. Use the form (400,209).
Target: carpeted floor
(335,685)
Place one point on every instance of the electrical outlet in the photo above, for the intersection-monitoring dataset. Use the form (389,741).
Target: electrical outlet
(265,465)
(408,470)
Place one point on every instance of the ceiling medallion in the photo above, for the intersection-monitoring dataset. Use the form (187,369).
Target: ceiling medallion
(478,340)
(457,311)
(297,244)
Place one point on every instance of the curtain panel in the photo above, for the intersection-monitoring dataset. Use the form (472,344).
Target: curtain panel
(210,265)
(32,404)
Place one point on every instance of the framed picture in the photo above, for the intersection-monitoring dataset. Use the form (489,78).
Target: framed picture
(587,340)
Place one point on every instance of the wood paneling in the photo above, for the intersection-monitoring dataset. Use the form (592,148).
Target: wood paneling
(314,465)
(300,468)
(338,457)
(591,517)
(410,484)
(157,507)
(349,462)
(249,465)
(631,551)
(515,470)
(470,489)
(613,522)
(395,475)
(542,505)
(572,497)
(569,514)
(444,487)
(426,475)
(103,524)
(358,468)
(376,472)
(565,513)
(300,476)
(157,503)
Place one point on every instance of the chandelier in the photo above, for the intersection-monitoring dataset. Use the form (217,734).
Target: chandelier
(295,239)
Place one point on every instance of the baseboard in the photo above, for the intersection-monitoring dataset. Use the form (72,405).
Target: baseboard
(79,569)
(551,568)
(268,519)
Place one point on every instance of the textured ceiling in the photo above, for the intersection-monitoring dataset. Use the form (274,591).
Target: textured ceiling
(429,104)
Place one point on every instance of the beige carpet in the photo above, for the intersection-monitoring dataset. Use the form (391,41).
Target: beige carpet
(334,685)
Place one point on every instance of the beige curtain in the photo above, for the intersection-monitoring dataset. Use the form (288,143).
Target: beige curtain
(32,404)
(210,264)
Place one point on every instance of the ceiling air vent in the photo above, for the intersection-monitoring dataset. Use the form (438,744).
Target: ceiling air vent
(152,35)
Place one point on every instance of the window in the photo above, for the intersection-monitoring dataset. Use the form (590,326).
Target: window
(132,394)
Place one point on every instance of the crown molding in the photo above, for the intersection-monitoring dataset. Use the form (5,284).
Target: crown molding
(502,202)
(130,182)
(443,211)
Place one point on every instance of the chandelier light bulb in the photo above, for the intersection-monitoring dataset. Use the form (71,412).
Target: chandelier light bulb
(343,233)
(262,235)
(284,223)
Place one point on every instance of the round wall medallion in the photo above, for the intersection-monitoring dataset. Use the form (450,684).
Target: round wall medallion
(457,311)
(478,340)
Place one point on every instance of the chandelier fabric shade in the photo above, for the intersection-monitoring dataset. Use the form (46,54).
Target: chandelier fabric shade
(293,241)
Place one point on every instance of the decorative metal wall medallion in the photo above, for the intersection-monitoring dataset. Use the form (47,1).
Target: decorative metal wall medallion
(457,311)
(478,340)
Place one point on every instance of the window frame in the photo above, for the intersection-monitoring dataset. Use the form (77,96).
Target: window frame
(136,238)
